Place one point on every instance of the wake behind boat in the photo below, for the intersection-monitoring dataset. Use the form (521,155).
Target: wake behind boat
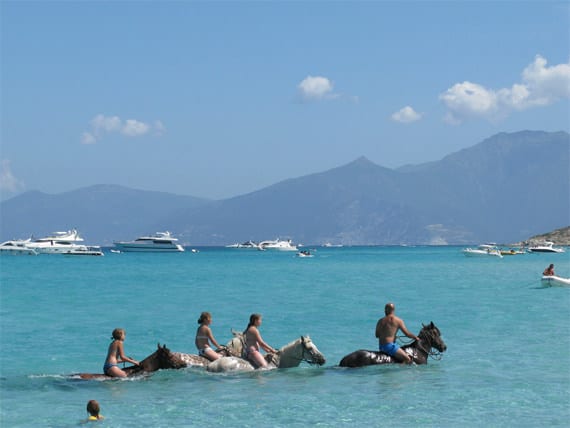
(162,242)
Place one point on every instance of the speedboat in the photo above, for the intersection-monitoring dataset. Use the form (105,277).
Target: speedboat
(159,242)
(57,243)
(17,247)
(483,250)
(554,281)
(304,253)
(545,247)
(277,244)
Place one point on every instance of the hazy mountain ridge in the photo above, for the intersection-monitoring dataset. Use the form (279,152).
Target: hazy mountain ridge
(504,189)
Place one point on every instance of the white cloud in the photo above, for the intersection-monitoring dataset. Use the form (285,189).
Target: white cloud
(88,138)
(540,86)
(406,115)
(8,182)
(134,128)
(101,125)
(315,88)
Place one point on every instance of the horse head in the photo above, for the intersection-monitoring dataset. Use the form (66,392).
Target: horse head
(162,358)
(311,353)
(431,335)
(235,346)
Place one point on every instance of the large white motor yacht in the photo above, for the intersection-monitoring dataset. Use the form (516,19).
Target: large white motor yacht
(277,244)
(57,243)
(159,242)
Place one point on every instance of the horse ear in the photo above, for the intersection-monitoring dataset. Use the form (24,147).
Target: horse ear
(431,324)
(423,325)
(158,345)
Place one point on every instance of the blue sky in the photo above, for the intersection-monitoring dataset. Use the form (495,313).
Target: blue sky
(217,99)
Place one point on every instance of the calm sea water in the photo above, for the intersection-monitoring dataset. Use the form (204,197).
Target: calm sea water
(507,364)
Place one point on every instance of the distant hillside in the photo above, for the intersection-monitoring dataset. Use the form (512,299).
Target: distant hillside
(558,236)
(504,189)
(101,213)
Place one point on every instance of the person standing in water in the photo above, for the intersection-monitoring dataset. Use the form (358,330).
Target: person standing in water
(116,355)
(386,330)
(204,337)
(253,342)
(93,409)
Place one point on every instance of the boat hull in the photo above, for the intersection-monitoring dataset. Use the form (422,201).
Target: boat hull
(555,281)
(133,248)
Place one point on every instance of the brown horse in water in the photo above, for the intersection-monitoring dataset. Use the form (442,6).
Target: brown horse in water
(419,350)
(162,358)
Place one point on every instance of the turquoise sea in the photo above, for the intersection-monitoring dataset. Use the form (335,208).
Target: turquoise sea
(507,363)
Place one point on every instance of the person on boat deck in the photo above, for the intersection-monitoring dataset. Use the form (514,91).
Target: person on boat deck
(386,330)
(204,336)
(116,355)
(549,271)
(93,409)
(253,342)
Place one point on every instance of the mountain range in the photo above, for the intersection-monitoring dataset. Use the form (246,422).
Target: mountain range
(504,189)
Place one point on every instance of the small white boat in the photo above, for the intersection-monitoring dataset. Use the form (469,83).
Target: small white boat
(87,251)
(545,247)
(554,281)
(161,242)
(483,250)
(304,253)
(17,247)
(277,244)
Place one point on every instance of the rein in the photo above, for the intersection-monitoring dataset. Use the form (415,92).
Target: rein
(430,352)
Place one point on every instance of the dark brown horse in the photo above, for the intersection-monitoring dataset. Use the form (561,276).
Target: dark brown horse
(162,358)
(429,337)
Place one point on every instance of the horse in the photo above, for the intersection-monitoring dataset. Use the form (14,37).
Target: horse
(429,337)
(290,355)
(162,358)
(193,360)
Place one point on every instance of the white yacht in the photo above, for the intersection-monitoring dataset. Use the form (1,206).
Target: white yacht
(57,243)
(277,244)
(17,247)
(483,250)
(159,242)
(545,247)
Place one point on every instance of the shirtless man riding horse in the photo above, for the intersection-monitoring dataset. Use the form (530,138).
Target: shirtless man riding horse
(386,330)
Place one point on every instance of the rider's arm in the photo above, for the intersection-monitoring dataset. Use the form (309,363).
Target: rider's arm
(406,332)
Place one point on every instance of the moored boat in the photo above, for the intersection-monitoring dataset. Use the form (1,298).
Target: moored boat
(483,250)
(87,251)
(17,247)
(545,247)
(57,243)
(277,244)
(162,242)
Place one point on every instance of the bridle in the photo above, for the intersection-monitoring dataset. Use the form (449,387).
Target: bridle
(427,337)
